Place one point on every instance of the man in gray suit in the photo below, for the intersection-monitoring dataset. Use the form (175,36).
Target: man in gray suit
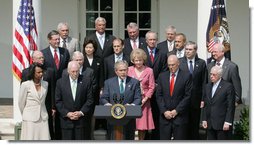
(66,41)
(129,88)
(230,70)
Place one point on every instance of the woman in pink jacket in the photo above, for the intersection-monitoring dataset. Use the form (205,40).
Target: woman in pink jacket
(145,75)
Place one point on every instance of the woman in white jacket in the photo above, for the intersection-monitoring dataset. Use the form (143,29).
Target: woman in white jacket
(32,105)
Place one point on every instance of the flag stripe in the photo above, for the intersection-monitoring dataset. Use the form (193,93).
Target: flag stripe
(25,38)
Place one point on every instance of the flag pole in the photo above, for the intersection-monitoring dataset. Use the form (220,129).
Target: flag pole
(16,81)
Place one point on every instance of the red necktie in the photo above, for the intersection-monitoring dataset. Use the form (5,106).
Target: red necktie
(172,84)
(151,56)
(56,59)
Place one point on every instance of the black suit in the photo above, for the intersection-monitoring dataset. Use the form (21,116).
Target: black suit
(219,109)
(180,101)
(78,129)
(107,47)
(49,76)
(128,47)
(97,67)
(49,60)
(109,62)
(163,47)
(199,79)
(159,65)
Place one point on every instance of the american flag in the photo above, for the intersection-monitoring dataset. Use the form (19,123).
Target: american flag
(217,30)
(25,39)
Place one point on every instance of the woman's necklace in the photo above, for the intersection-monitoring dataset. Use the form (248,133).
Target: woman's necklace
(37,84)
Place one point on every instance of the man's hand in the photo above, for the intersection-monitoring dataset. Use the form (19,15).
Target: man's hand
(204,124)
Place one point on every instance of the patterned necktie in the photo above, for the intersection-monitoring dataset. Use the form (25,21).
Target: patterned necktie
(170,48)
(56,59)
(172,84)
(64,43)
(134,44)
(151,56)
(121,87)
(218,63)
(191,67)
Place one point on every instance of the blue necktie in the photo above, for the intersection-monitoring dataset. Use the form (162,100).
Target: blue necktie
(121,87)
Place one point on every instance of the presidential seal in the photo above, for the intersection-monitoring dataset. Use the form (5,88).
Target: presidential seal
(118,111)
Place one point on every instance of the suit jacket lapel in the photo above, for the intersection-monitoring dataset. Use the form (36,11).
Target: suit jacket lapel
(78,90)
(218,89)
(34,89)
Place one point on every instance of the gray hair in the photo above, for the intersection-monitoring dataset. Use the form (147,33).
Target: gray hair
(77,53)
(61,24)
(132,25)
(151,32)
(100,19)
(217,69)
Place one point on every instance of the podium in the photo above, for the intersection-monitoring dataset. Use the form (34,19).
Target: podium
(105,112)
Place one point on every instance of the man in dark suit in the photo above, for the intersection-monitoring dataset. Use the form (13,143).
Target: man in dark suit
(230,70)
(49,76)
(130,90)
(168,46)
(56,58)
(103,40)
(197,67)
(173,97)
(134,41)
(109,62)
(74,100)
(219,108)
(158,62)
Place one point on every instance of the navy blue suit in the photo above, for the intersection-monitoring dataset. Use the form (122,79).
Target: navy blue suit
(132,95)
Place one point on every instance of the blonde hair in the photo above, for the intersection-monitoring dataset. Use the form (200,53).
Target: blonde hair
(138,53)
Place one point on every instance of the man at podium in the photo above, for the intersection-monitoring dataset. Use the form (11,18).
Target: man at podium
(124,90)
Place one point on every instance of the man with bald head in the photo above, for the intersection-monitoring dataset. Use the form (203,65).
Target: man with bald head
(219,108)
(49,76)
(173,95)
(74,101)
